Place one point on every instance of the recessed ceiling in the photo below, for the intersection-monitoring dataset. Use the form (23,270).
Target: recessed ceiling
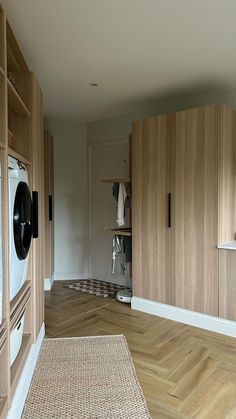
(138,51)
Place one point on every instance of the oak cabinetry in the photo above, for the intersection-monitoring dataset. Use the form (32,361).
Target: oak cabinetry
(149,201)
(182,172)
(194,189)
(227,284)
(38,245)
(20,137)
(48,205)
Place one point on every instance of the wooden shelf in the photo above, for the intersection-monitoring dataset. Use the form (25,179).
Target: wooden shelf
(19,303)
(18,156)
(119,231)
(116,180)
(18,365)
(15,102)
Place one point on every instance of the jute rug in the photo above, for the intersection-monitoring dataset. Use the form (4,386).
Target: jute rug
(85,378)
(96,287)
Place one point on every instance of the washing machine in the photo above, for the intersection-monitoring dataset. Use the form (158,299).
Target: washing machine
(20,225)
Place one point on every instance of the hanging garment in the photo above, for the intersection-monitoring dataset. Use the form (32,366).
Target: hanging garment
(115,190)
(127,245)
(121,205)
(117,255)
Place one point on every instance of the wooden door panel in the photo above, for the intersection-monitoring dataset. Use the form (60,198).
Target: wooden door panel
(195,188)
(150,184)
(227,284)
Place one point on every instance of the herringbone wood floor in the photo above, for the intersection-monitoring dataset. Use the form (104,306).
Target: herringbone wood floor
(184,372)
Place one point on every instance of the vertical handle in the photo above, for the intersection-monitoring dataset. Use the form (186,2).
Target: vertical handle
(169,210)
(50,207)
(35,215)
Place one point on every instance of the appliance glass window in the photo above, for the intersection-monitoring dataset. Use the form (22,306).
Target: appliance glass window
(22,225)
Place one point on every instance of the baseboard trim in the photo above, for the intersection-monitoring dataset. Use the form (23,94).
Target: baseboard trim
(20,395)
(68,276)
(48,283)
(192,318)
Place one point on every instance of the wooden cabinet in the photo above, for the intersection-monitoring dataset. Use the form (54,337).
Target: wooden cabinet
(48,205)
(227,284)
(38,188)
(150,184)
(21,120)
(194,190)
(182,164)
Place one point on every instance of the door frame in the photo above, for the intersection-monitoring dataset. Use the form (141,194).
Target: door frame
(91,147)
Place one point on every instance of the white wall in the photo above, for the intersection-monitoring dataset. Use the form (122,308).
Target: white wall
(71,198)
(120,127)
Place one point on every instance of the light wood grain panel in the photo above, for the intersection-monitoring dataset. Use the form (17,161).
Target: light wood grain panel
(179,265)
(227,284)
(227,176)
(195,194)
(38,245)
(137,208)
(149,200)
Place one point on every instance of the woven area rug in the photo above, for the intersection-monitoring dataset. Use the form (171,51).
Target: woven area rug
(96,287)
(85,378)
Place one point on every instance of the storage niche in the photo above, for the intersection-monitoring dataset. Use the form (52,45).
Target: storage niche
(20,339)
(19,134)
(17,69)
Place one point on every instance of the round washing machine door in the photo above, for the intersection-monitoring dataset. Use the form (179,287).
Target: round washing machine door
(22,225)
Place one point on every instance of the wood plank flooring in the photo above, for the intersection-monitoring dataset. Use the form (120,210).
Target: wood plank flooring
(184,372)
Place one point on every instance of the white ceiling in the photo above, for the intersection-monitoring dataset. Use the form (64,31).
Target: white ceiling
(139,51)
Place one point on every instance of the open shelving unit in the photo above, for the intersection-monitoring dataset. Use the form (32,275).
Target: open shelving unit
(15,102)
(17,82)
(125,231)
(18,156)
(24,306)
(119,231)
(18,93)
(116,180)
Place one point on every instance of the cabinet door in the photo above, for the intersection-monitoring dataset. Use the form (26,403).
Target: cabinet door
(227,284)
(38,185)
(194,186)
(150,168)
(48,204)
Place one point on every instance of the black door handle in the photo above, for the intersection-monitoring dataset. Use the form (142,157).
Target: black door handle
(50,207)
(169,210)
(35,215)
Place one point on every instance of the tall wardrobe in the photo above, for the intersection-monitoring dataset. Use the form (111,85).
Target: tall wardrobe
(183,188)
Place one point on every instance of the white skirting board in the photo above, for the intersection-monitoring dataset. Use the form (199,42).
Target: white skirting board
(67,276)
(192,318)
(20,395)
(48,283)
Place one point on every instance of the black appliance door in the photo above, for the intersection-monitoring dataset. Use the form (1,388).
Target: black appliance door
(22,225)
